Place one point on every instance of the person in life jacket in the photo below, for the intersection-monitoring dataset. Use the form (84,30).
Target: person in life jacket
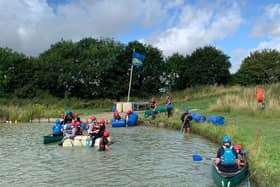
(168,106)
(79,129)
(260,96)
(103,145)
(186,118)
(91,125)
(57,128)
(116,115)
(98,132)
(153,107)
(240,155)
(227,159)
(68,117)
(69,130)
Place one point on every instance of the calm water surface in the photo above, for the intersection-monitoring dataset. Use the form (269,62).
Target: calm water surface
(140,156)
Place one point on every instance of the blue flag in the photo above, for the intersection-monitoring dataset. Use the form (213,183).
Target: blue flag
(137,59)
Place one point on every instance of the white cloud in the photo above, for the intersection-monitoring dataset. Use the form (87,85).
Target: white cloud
(269,22)
(199,26)
(31,26)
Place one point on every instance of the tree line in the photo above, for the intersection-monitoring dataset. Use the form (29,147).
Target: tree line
(100,68)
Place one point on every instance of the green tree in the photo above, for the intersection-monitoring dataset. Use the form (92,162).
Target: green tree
(261,67)
(175,71)
(208,66)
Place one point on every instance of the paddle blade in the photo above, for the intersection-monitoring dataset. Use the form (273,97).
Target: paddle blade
(180,133)
(197,157)
(88,143)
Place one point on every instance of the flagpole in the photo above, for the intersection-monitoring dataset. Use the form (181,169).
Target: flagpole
(130,79)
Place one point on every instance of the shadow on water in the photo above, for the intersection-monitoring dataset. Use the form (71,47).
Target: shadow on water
(140,156)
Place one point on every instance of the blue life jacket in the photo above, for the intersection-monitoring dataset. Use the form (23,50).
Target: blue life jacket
(228,157)
(56,129)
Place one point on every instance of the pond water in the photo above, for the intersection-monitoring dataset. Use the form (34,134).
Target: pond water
(140,156)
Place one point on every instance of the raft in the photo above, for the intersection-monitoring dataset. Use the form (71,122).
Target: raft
(51,139)
(229,179)
(81,141)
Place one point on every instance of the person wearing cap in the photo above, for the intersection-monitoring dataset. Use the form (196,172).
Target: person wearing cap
(99,131)
(103,145)
(92,125)
(79,129)
(226,158)
(240,155)
(186,118)
(68,117)
(57,128)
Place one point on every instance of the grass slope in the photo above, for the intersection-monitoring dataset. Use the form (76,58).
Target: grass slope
(255,129)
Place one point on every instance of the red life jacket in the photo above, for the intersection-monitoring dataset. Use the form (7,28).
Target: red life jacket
(259,95)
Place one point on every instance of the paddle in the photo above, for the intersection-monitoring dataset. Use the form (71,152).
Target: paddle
(180,133)
(198,158)
(88,142)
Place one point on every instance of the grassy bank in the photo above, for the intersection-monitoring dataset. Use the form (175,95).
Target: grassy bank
(255,129)
(23,110)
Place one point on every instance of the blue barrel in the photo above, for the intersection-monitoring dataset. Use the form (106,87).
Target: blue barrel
(217,120)
(198,117)
(132,119)
(118,123)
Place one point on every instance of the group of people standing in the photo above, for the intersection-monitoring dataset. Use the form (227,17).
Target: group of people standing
(71,125)
(169,107)
(185,117)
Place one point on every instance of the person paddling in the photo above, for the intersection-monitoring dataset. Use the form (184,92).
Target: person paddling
(57,128)
(186,118)
(227,159)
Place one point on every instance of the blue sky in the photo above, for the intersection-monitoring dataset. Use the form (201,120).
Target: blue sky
(237,27)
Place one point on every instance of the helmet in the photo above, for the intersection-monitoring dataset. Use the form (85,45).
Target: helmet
(128,112)
(102,121)
(186,110)
(167,97)
(77,123)
(68,112)
(92,118)
(226,139)
(106,134)
(237,147)
(57,121)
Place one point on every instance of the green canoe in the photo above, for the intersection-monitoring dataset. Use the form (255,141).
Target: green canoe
(51,139)
(148,113)
(229,179)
